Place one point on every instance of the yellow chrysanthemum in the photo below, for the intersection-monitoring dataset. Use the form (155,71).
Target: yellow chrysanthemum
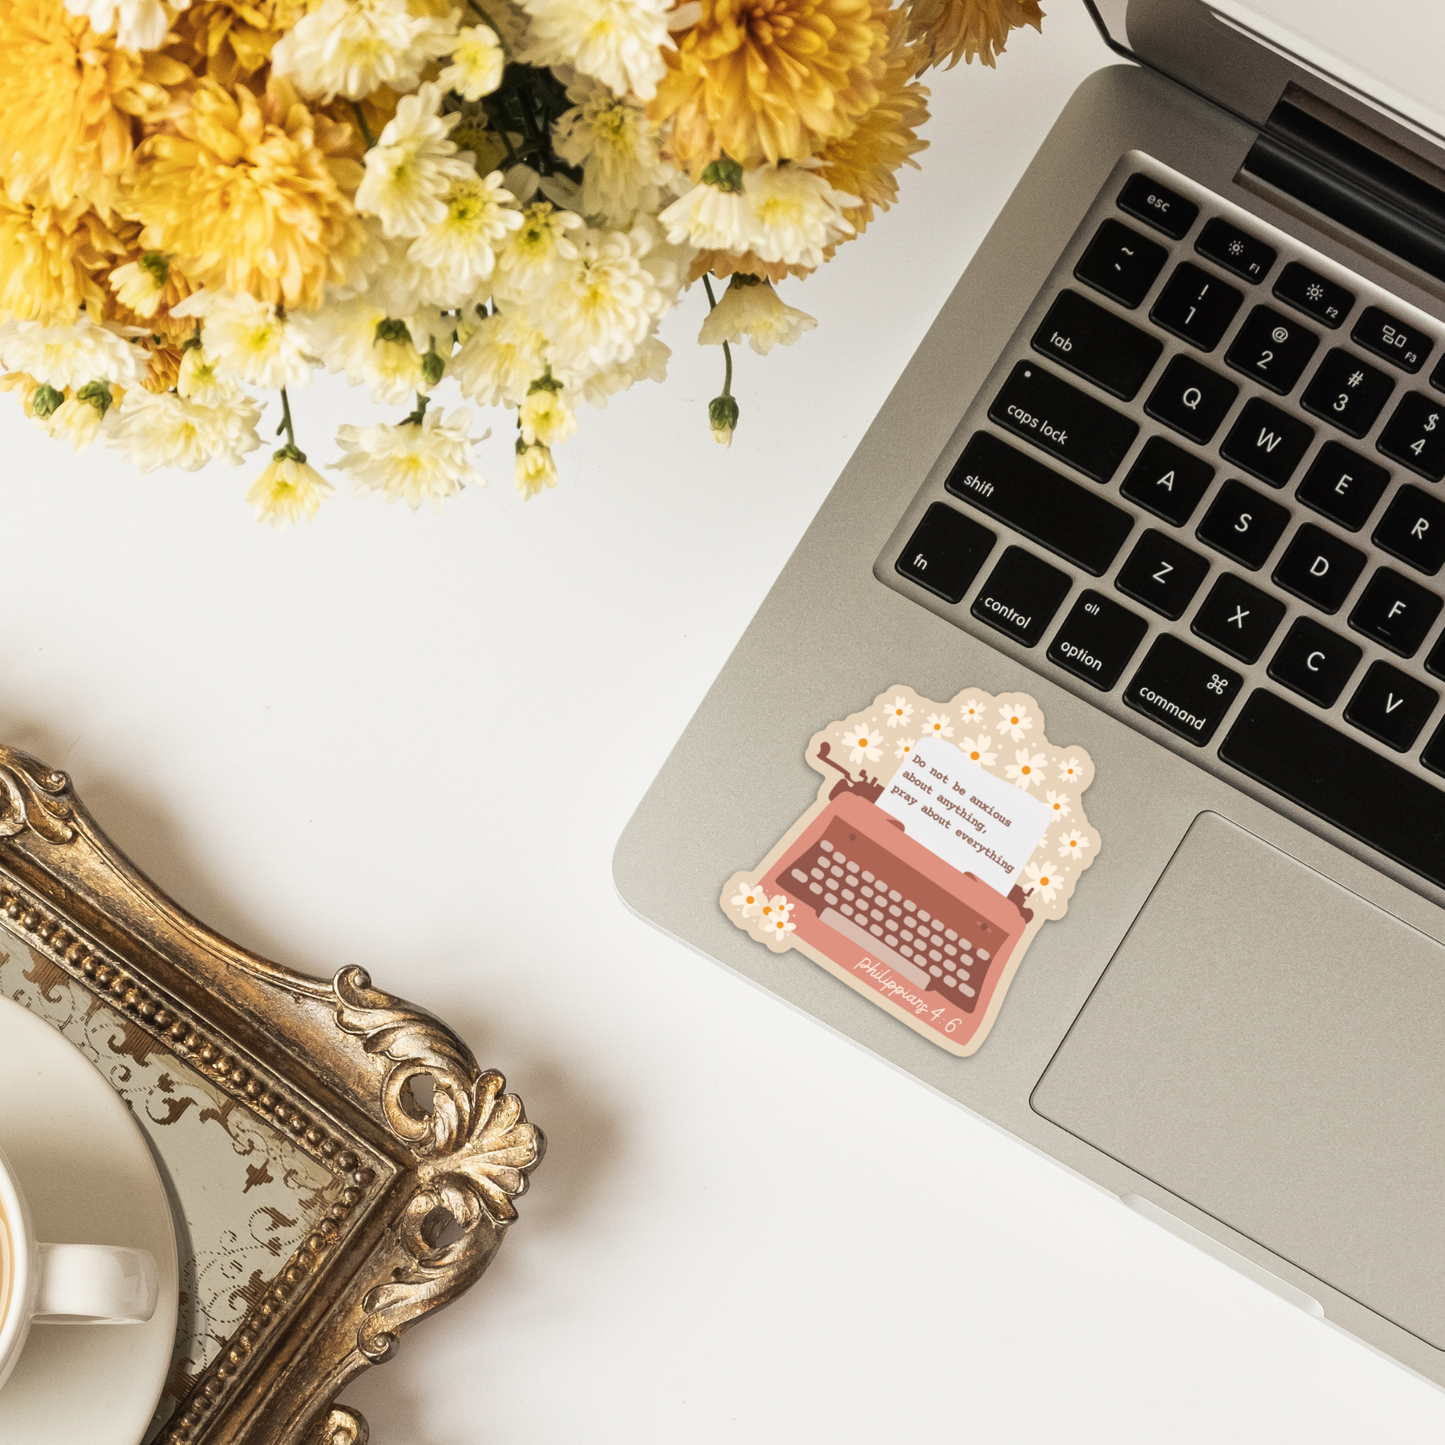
(69,99)
(52,259)
(251,195)
(955,30)
(770,80)
(230,40)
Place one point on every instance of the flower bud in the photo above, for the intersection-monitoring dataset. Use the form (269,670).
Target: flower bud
(722,415)
(46,400)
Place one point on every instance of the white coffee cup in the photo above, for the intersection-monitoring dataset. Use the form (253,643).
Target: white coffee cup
(63,1283)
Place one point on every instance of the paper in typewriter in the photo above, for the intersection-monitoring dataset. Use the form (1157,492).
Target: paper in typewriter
(944,836)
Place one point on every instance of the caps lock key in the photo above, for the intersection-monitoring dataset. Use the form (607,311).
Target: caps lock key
(1061,419)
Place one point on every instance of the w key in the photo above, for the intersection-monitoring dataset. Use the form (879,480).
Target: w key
(1097,345)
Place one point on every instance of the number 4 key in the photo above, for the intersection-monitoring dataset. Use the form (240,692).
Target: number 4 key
(1415,435)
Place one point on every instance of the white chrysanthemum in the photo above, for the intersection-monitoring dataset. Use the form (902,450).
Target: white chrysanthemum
(603,303)
(457,254)
(288,491)
(138,24)
(532,258)
(712,219)
(478,61)
(499,360)
(618,41)
(358,338)
(622,169)
(351,48)
(75,422)
(70,356)
(139,285)
(198,381)
(535,469)
(248,340)
(545,417)
(165,430)
(757,313)
(412,462)
(412,166)
(798,215)
(647,363)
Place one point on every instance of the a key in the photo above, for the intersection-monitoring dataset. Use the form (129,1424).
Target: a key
(1059,514)
(1347,392)
(1021,596)
(1167,481)
(1344,486)
(1191,398)
(1267,442)
(1385,335)
(1243,524)
(1178,686)
(1391,706)
(1121,263)
(1097,639)
(1271,348)
(1395,611)
(1237,251)
(1314,662)
(1061,419)
(1157,205)
(1238,618)
(945,552)
(1162,574)
(1196,306)
(1340,780)
(1314,294)
(1413,529)
(1415,435)
(1097,345)
(1319,568)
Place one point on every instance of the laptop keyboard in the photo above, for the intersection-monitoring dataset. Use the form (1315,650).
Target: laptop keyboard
(1202,481)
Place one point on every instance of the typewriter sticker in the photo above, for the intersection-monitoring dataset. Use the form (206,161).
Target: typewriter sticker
(944,836)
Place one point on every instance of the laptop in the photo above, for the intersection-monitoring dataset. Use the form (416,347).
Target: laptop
(1139,568)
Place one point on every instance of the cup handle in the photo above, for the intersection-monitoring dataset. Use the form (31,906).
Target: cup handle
(95,1284)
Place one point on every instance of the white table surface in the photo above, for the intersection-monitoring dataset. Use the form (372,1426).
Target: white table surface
(411,743)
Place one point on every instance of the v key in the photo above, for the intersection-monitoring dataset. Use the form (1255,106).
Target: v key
(1391,706)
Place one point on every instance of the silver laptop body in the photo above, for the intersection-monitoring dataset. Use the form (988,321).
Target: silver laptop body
(1239,1028)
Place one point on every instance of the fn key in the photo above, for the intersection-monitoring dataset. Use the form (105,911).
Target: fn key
(945,552)
(1181,688)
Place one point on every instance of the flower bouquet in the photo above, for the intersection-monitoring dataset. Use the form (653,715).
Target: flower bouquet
(206,200)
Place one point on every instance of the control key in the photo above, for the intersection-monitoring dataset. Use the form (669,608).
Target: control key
(1178,686)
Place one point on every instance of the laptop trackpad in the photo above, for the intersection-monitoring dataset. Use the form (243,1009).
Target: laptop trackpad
(1271,1048)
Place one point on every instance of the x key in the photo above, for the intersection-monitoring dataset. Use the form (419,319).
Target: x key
(1237,618)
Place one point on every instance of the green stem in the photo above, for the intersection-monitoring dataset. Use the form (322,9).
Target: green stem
(366,134)
(727,350)
(286,425)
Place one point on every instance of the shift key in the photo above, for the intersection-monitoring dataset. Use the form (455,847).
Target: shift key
(1061,419)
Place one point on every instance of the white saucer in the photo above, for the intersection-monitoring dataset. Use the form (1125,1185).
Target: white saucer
(88,1175)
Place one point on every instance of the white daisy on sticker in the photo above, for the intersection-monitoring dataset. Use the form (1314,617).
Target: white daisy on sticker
(972,712)
(1026,769)
(779,926)
(976,750)
(1072,844)
(899,712)
(939,725)
(1016,720)
(1059,803)
(1046,882)
(748,899)
(865,743)
(1072,771)
(905,748)
(775,907)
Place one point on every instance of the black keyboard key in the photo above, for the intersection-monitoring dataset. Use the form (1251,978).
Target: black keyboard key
(1391,706)
(1319,568)
(1415,435)
(1347,392)
(1344,486)
(1315,663)
(1340,780)
(1191,398)
(1434,755)
(1121,263)
(1413,529)
(1395,611)
(1238,618)
(1063,420)
(1178,686)
(1271,348)
(1237,251)
(1160,207)
(945,552)
(1059,514)
(1097,345)
(1435,658)
(1196,306)
(1437,377)
(1243,524)
(1021,596)
(1162,574)
(1167,481)
(1097,639)
(1267,441)
(1407,346)
(1311,293)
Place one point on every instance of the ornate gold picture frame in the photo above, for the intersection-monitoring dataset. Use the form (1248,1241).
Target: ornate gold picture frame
(340,1162)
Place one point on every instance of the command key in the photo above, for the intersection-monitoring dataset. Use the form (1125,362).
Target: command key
(1178,686)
